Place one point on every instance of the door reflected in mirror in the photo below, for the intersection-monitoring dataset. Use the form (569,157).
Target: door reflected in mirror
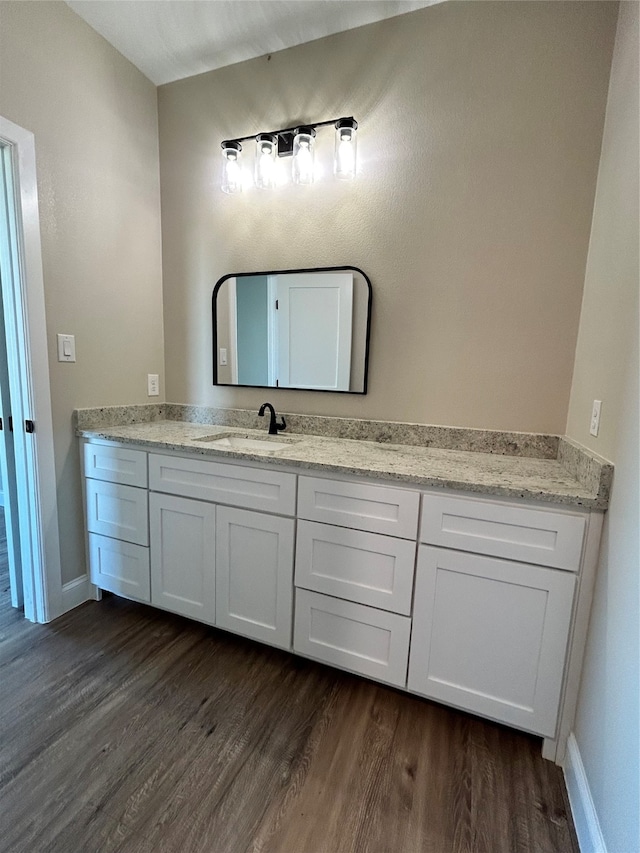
(305,329)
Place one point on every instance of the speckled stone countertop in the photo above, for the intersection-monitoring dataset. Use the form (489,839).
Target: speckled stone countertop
(539,479)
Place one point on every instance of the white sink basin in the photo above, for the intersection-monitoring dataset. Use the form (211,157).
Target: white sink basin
(268,443)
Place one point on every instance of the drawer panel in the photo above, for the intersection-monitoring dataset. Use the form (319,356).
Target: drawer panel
(115,464)
(539,536)
(117,511)
(363,567)
(119,567)
(377,509)
(235,485)
(361,639)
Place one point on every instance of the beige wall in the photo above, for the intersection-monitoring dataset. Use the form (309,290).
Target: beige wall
(94,117)
(480,133)
(606,368)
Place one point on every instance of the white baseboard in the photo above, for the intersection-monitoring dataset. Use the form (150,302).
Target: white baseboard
(76,592)
(583,810)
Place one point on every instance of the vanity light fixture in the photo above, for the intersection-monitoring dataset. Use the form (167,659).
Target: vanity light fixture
(295,142)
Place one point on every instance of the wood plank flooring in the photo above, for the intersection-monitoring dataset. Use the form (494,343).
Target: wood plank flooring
(128,730)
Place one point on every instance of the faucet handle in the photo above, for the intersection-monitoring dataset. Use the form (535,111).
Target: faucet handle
(282,425)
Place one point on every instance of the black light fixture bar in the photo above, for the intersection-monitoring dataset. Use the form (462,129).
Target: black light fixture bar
(286,135)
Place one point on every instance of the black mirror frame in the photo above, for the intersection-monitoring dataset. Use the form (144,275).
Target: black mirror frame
(224,278)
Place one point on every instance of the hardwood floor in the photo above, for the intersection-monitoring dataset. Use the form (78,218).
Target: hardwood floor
(127,729)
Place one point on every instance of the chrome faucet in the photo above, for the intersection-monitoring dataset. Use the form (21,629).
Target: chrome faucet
(274,426)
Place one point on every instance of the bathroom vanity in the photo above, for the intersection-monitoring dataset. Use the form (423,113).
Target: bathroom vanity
(458,576)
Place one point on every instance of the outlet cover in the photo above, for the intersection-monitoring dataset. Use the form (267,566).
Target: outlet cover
(595,417)
(153,385)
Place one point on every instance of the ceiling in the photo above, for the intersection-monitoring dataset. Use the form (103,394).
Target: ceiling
(171,39)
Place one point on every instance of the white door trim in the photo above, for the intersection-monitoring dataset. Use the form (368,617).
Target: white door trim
(28,359)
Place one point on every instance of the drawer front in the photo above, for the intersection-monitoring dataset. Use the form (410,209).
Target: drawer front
(490,636)
(235,485)
(119,567)
(115,464)
(360,506)
(362,567)
(543,537)
(351,636)
(117,511)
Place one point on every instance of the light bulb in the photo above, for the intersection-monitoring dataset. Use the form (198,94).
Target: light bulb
(302,165)
(265,169)
(344,165)
(231,170)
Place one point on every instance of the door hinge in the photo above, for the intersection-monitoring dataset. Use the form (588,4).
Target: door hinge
(277,306)
(10,424)
(1,426)
(29,426)
(277,384)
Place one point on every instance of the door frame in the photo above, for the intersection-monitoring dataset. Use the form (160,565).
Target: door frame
(29,381)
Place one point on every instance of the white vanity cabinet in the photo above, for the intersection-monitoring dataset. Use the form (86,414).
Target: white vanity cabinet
(490,634)
(117,519)
(354,586)
(219,553)
(477,602)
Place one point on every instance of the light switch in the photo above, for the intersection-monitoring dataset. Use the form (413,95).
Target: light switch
(223,356)
(66,348)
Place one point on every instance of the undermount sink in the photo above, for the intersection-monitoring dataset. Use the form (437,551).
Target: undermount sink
(235,441)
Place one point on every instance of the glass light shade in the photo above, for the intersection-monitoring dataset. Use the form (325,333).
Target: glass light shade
(303,155)
(344,164)
(265,169)
(231,169)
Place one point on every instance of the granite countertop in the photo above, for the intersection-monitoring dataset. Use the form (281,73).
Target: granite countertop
(545,480)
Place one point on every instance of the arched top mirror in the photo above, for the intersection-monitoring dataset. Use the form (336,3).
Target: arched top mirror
(306,329)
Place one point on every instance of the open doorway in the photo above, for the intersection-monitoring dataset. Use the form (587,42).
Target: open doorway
(26,437)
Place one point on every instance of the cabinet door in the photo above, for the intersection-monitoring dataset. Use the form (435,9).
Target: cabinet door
(490,636)
(183,556)
(254,575)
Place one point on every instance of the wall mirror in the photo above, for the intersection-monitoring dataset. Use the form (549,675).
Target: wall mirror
(306,329)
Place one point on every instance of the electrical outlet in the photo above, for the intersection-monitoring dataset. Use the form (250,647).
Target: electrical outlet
(595,417)
(153,385)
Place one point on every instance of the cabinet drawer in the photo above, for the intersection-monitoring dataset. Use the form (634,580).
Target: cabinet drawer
(235,485)
(364,567)
(115,464)
(490,636)
(119,567)
(362,639)
(117,511)
(361,506)
(503,530)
